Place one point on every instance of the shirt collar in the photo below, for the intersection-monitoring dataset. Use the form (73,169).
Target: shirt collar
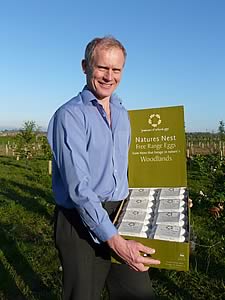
(88,96)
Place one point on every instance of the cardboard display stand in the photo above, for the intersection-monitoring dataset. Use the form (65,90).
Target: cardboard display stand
(157,159)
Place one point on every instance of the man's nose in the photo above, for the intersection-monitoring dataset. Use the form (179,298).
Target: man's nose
(108,75)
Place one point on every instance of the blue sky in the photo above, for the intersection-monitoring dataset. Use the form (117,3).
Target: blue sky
(176,56)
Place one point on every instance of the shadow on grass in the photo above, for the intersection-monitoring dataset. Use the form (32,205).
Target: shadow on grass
(6,281)
(5,161)
(19,272)
(207,264)
(208,253)
(9,190)
(165,288)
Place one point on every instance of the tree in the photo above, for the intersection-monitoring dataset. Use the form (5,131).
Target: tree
(47,153)
(26,139)
(221,130)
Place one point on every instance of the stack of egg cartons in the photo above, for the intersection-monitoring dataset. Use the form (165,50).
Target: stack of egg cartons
(170,215)
(136,215)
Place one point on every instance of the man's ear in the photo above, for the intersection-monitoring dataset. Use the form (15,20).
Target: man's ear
(84,66)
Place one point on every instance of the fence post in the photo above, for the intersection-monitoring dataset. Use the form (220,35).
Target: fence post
(188,153)
(192,149)
(50,167)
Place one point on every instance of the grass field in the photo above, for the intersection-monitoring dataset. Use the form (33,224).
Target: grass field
(28,261)
(29,266)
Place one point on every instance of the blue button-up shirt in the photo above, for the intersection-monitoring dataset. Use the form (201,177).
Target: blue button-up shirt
(90,159)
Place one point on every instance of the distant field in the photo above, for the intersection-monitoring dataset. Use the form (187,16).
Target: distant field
(9,145)
(5,139)
(195,144)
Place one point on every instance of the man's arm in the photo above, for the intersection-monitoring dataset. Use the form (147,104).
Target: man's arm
(68,141)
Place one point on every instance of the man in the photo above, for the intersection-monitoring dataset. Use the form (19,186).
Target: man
(89,137)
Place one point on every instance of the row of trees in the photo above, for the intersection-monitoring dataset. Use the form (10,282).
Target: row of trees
(30,142)
(219,135)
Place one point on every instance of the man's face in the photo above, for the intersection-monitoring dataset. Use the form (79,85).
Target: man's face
(104,75)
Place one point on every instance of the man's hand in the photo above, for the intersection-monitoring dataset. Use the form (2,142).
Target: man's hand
(130,251)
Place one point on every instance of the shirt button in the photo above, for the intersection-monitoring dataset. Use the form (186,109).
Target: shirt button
(116,189)
(115,170)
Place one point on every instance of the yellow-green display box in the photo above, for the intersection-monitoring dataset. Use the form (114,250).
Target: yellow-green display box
(157,159)
(157,155)
(172,255)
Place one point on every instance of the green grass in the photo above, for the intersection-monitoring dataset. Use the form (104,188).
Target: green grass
(29,265)
(28,261)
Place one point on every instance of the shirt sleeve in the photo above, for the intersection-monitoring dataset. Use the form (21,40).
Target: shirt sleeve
(68,141)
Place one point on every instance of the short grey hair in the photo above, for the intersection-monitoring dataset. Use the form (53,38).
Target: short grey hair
(105,42)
